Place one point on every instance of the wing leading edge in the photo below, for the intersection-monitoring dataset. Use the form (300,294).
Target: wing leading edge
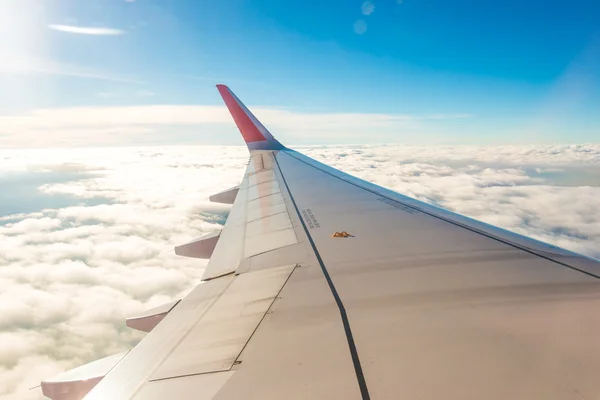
(415,302)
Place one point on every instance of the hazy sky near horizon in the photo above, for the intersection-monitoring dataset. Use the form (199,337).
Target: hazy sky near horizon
(124,72)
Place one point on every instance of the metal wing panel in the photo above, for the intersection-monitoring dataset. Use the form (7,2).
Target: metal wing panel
(270,241)
(261,177)
(259,221)
(573,260)
(229,250)
(437,309)
(131,373)
(299,351)
(194,387)
(216,340)
(267,224)
(204,335)
(262,190)
(265,207)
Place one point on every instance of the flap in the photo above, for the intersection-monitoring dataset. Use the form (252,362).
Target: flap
(218,337)
(259,220)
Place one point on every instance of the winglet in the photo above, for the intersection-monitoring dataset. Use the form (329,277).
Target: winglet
(257,137)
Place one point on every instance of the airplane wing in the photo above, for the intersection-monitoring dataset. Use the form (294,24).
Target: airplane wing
(324,286)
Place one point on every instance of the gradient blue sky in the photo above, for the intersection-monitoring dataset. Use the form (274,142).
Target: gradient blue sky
(470,71)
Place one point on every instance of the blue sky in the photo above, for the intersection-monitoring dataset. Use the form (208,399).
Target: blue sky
(471,71)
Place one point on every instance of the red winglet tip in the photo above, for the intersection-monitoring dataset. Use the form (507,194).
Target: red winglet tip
(242,117)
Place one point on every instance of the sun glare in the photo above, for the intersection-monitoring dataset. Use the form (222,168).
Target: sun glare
(23,23)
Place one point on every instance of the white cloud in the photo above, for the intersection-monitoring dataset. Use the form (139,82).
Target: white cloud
(71,275)
(86,30)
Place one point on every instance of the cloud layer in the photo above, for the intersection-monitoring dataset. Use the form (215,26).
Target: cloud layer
(86,30)
(70,274)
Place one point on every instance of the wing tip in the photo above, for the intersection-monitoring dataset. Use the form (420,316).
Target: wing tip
(256,136)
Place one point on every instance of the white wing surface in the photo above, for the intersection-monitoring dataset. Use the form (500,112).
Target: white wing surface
(324,286)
